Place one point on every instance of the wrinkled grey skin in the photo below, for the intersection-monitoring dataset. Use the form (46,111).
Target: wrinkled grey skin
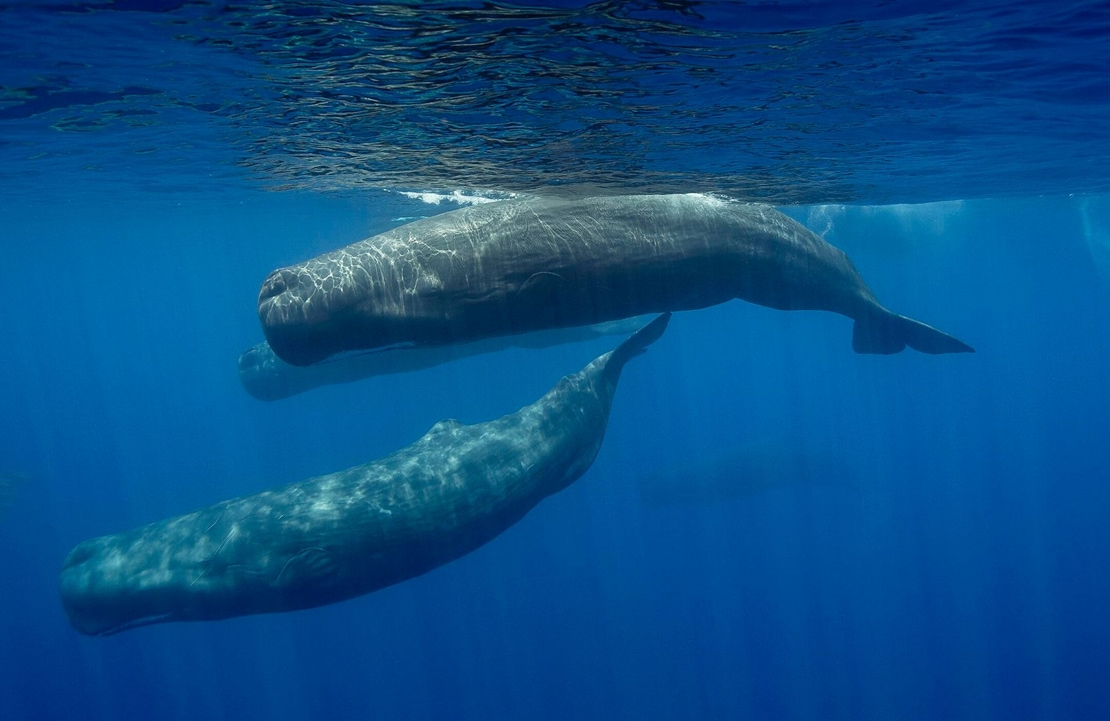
(269,378)
(518,266)
(345,534)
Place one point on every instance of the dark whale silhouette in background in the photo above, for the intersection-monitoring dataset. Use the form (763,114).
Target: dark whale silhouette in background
(746,469)
(269,378)
(10,484)
(345,534)
(517,266)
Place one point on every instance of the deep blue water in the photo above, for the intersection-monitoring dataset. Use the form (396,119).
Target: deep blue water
(155,166)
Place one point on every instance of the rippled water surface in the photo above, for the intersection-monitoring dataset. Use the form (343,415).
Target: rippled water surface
(788,102)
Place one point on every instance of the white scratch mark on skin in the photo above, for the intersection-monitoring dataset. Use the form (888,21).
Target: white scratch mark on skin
(214,522)
(295,556)
(209,562)
(230,534)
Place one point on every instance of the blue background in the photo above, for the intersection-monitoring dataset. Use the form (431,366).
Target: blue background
(962,575)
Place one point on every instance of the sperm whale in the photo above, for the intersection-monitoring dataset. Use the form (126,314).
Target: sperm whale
(341,535)
(518,266)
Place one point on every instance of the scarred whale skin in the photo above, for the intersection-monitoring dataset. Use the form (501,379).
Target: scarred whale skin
(341,535)
(517,266)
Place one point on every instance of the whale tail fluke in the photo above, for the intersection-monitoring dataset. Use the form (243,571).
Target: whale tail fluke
(885,333)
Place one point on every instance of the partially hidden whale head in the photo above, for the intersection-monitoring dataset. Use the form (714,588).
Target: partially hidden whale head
(264,376)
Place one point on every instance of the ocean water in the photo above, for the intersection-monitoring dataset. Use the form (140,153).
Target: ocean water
(157,160)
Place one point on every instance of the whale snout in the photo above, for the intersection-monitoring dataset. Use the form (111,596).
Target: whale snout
(101,596)
(307,316)
(275,284)
(82,592)
(291,296)
(291,309)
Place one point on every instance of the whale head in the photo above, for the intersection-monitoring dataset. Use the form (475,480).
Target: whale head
(181,569)
(107,589)
(304,313)
(237,557)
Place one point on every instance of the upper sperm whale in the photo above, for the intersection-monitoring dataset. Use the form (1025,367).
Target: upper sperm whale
(517,266)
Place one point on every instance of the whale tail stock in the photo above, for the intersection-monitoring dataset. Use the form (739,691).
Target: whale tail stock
(636,344)
(883,332)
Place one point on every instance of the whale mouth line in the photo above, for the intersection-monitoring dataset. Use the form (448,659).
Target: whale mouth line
(135,623)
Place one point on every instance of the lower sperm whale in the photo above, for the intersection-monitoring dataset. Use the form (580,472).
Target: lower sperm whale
(518,266)
(345,534)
